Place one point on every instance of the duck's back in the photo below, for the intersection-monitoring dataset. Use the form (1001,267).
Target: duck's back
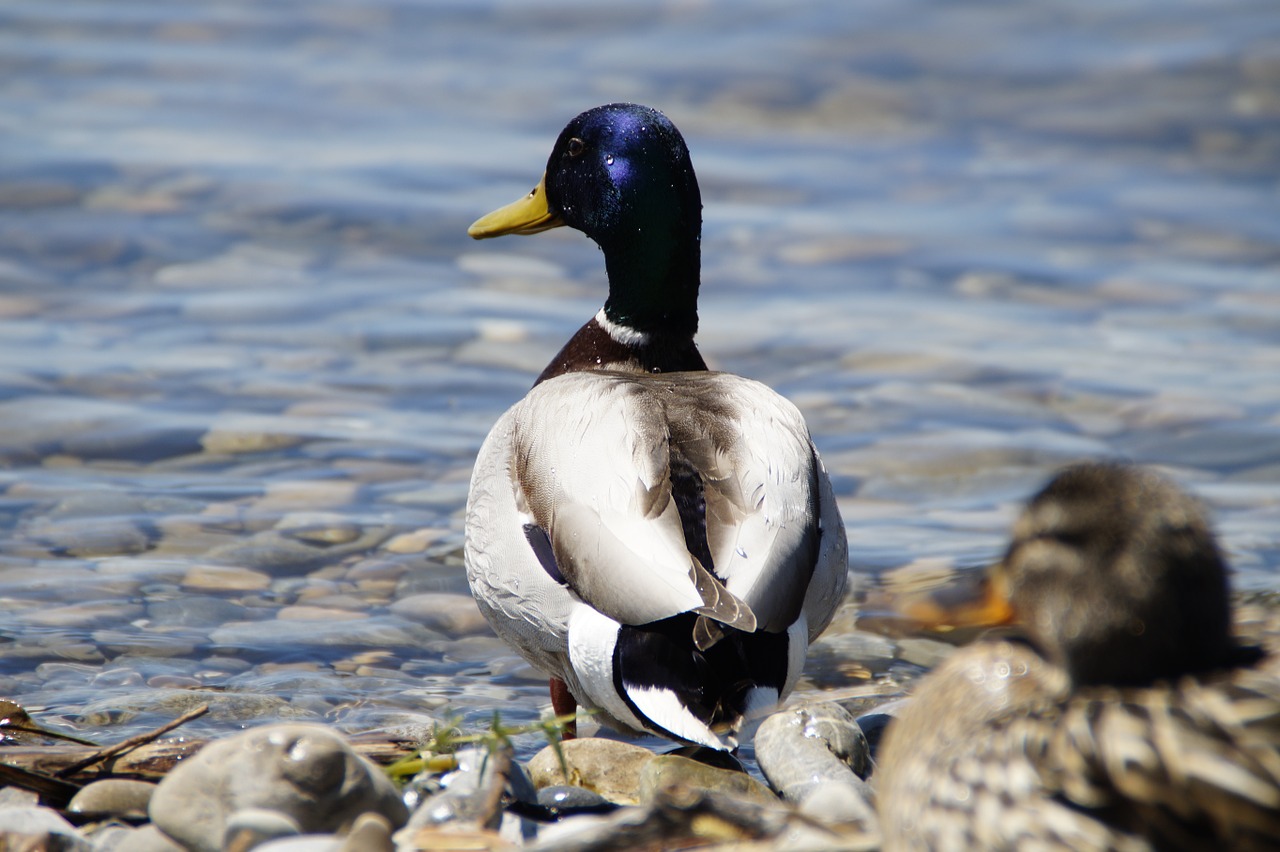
(650,496)
(605,464)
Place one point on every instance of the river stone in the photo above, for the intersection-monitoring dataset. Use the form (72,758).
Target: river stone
(568,800)
(85,615)
(135,442)
(232,441)
(223,706)
(807,750)
(225,578)
(15,797)
(32,827)
(172,681)
(384,632)
(875,721)
(148,838)
(284,555)
(146,643)
(306,612)
(277,554)
(608,767)
(143,569)
(414,542)
(113,838)
(453,615)
(839,803)
(249,828)
(86,537)
(320,528)
(195,611)
(370,833)
(306,772)
(672,769)
(113,797)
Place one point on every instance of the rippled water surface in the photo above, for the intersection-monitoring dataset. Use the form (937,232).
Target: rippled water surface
(247,352)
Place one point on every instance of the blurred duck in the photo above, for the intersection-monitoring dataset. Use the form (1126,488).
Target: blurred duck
(661,540)
(1130,721)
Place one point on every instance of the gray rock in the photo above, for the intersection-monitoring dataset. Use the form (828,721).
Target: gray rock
(33,827)
(14,797)
(250,828)
(453,615)
(231,440)
(874,722)
(148,838)
(567,799)
(808,750)
(223,706)
(610,768)
(283,554)
(145,643)
(838,803)
(138,442)
(85,537)
(143,569)
(672,769)
(195,610)
(303,843)
(318,528)
(83,615)
(56,645)
(272,553)
(306,772)
(370,833)
(355,632)
(113,797)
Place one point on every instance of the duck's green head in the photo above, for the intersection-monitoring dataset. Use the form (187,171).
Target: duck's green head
(621,174)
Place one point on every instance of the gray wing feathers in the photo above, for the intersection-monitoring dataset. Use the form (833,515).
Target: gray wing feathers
(762,492)
(591,457)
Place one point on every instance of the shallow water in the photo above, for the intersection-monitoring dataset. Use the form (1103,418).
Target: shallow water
(247,352)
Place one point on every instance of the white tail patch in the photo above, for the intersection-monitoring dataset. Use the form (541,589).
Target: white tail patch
(592,637)
(663,708)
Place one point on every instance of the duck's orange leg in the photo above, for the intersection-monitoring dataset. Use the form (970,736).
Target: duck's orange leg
(564,704)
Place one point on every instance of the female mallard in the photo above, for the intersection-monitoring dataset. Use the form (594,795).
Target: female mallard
(1135,721)
(661,540)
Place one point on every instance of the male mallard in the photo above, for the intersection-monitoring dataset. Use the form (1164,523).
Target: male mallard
(662,540)
(1134,722)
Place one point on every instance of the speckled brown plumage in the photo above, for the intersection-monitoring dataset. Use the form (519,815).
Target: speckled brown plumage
(1130,721)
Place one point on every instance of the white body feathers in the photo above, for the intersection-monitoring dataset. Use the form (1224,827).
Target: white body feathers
(575,529)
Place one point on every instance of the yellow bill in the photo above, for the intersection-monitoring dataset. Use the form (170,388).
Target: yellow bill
(529,215)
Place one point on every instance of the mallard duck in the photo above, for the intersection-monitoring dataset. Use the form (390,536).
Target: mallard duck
(1129,719)
(660,539)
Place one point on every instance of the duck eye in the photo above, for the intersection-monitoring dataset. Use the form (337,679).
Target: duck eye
(575,147)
